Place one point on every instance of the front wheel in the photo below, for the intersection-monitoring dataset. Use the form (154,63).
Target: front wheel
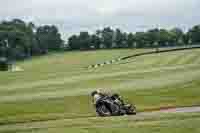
(103,111)
(131,110)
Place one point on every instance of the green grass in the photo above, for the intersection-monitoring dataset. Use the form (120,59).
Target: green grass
(57,87)
(162,122)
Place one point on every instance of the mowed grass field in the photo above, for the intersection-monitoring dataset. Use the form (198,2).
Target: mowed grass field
(52,94)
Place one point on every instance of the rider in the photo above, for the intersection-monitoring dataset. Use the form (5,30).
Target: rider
(98,94)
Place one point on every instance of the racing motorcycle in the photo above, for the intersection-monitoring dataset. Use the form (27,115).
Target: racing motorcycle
(114,106)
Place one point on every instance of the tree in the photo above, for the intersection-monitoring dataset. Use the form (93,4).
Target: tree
(107,37)
(194,34)
(165,38)
(49,38)
(73,42)
(177,34)
(153,37)
(140,39)
(18,35)
(95,41)
(84,40)
(25,40)
(118,38)
(131,40)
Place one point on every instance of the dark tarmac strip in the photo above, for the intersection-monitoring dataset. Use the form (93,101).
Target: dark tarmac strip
(191,109)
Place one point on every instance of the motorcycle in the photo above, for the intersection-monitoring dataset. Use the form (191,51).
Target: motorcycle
(108,106)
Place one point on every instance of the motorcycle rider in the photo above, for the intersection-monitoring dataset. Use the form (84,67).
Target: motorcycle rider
(98,94)
(115,98)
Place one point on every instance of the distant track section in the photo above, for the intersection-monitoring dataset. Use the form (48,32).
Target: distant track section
(158,50)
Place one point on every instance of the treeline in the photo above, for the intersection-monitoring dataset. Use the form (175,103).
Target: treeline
(115,38)
(20,40)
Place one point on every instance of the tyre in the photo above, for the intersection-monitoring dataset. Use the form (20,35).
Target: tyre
(130,110)
(102,110)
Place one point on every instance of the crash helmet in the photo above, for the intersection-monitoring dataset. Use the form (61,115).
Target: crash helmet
(94,93)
